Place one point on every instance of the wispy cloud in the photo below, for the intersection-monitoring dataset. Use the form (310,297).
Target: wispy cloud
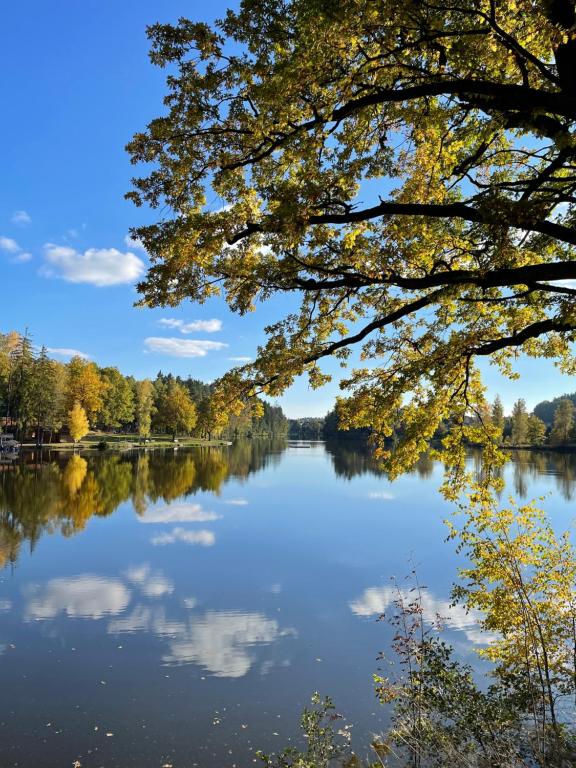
(21,217)
(240,359)
(207,326)
(201,538)
(236,502)
(67,352)
(96,266)
(10,246)
(382,495)
(182,347)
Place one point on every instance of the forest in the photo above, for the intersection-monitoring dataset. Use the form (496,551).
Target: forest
(44,400)
(552,423)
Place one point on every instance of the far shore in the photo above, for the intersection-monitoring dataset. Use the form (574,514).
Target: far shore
(121,442)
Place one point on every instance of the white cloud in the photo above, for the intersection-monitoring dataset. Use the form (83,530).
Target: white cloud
(240,359)
(134,242)
(67,352)
(21,217)
(96,266)
(236,502)
(151,583)
(383,495)
(207,326)
(221,642)
(9,245)
(182,347)
(178,513)
(202,538)
(376,600)
(86,596)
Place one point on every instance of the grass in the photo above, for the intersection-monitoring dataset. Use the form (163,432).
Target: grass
(123,442)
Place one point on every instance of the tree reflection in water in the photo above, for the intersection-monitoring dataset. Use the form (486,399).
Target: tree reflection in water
(47,493)
(352,459)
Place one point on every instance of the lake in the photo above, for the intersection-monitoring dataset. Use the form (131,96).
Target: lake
(180,608)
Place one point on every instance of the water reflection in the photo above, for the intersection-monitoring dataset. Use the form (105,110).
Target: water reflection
(376,601)
(47,494)
(350,461)
(221,641)
(206,609)
(85,596)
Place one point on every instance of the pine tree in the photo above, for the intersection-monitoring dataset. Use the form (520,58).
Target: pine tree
(563,422)
(498,414)
(536,432)
(519,423)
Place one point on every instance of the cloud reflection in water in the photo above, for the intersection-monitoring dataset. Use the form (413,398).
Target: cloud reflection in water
(376,600)
(86,596)
(202,538)
(178,513)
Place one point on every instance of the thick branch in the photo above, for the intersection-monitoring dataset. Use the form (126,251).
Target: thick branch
(391,317)
(428,210)
(485,95)
(529,332)
(532,274)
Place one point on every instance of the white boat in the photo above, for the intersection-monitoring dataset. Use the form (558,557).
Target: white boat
(9,446)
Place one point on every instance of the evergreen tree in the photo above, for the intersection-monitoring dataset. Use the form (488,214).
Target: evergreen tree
(563,422)
(498,414)
(536,432)
(519,423)
(43,395)
(21,383)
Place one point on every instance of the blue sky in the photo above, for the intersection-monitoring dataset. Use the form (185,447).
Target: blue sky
(76,83)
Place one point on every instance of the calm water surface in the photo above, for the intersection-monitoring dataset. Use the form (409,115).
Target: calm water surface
(180,608)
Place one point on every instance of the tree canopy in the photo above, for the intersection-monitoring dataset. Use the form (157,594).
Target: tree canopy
(407,170)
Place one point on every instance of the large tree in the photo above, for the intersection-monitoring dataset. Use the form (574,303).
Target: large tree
(406,170)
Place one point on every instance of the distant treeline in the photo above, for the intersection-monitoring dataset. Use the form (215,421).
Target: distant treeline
(44,398)
(324,428)
(551,423)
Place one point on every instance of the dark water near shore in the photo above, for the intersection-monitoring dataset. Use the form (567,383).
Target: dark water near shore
(180,608)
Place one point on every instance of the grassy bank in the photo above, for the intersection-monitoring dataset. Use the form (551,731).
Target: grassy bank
(123,442)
